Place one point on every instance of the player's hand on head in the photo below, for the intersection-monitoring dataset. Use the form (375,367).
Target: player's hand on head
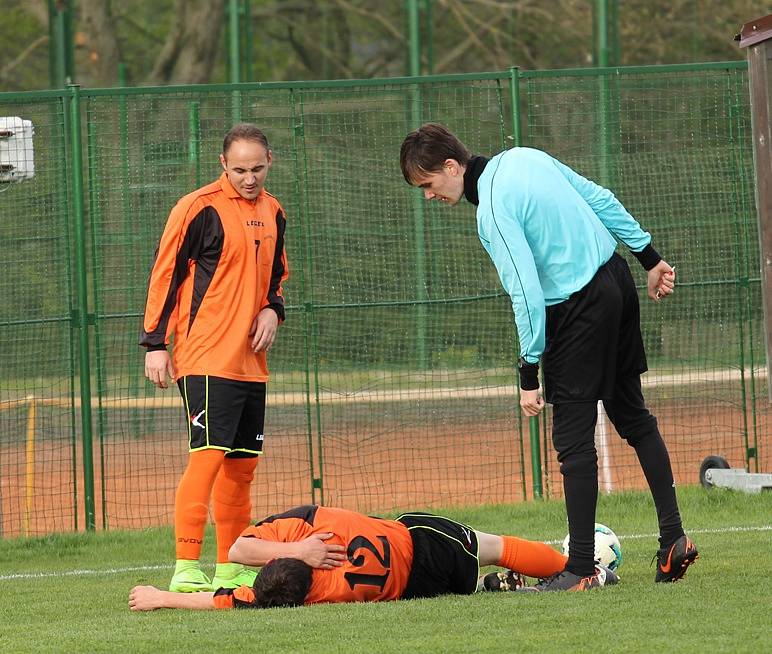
(159,368)
(317,553)
(145,598)
(661,281)
(263,330)
(531,402)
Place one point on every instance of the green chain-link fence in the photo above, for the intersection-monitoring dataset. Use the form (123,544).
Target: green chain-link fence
(393,379)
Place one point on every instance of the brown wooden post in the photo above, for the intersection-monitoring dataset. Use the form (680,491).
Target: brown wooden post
(756,36)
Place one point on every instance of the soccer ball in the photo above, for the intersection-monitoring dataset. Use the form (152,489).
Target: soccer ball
(608,551)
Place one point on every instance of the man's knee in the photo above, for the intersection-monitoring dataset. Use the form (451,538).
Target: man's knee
(581,463)
(573,428)
(240,470)
(634,430)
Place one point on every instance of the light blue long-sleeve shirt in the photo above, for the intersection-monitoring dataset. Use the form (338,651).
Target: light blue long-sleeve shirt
(547,230)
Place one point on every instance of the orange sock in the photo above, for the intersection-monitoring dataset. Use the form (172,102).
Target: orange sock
(191,504)
(531,558)
(231,502)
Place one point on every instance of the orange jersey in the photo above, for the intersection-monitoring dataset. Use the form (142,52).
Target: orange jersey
(379,554)
(221,260)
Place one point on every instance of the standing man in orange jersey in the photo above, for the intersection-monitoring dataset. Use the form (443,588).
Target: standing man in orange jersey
(216,290)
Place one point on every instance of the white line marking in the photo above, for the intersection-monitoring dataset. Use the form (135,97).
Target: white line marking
(144,568)
(721,530)
(84,573)
(386,394)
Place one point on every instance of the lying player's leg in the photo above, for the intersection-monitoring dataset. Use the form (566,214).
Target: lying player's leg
(531,558)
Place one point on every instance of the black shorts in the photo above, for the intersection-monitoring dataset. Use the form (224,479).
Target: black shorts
(445,557)
(224,414)
(594,337)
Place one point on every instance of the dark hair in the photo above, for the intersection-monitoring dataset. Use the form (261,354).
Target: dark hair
(425,150)
(244,132)
(282,582)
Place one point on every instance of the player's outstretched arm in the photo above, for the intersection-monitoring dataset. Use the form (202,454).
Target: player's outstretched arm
(149,598)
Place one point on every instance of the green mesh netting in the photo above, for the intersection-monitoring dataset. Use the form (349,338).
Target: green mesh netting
(393,379)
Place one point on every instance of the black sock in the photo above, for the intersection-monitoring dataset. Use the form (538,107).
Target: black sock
(581,494)
(573,434)
(655,463)
(635,424)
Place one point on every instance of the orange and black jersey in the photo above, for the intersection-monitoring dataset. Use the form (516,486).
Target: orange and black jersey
(220,261)
(379,555)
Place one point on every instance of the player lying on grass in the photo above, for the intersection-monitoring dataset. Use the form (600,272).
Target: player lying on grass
(313,554)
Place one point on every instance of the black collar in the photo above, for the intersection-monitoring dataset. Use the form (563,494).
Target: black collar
(473,171)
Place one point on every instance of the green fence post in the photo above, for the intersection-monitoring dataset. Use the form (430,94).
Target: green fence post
(533,422)
(129,227)
(514,94)
(306,289)
(194,140)
(743,277)
(418,203)
(600,32)
(536,471)
(60,119)
(82,315)
(94,217)
(234,32)
(247,60)
(429,19)
(742,181)
(517,140)
(615,47)
(234,57)
(61,54)
(57,61)
(414,39)
(604,99)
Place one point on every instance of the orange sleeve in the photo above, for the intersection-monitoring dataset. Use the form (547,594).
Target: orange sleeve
(234,598)
(170,267)
(223,598)
(280,529)
(279,271)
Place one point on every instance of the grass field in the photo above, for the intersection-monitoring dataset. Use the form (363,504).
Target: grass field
(68,593)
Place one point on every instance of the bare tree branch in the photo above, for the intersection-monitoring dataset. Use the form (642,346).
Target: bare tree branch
(461,48)
(328,52)
(6,70)
(38,9)
(390,28)
(190,51)
(101,41)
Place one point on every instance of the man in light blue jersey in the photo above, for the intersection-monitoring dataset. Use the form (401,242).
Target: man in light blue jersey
(552,236)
